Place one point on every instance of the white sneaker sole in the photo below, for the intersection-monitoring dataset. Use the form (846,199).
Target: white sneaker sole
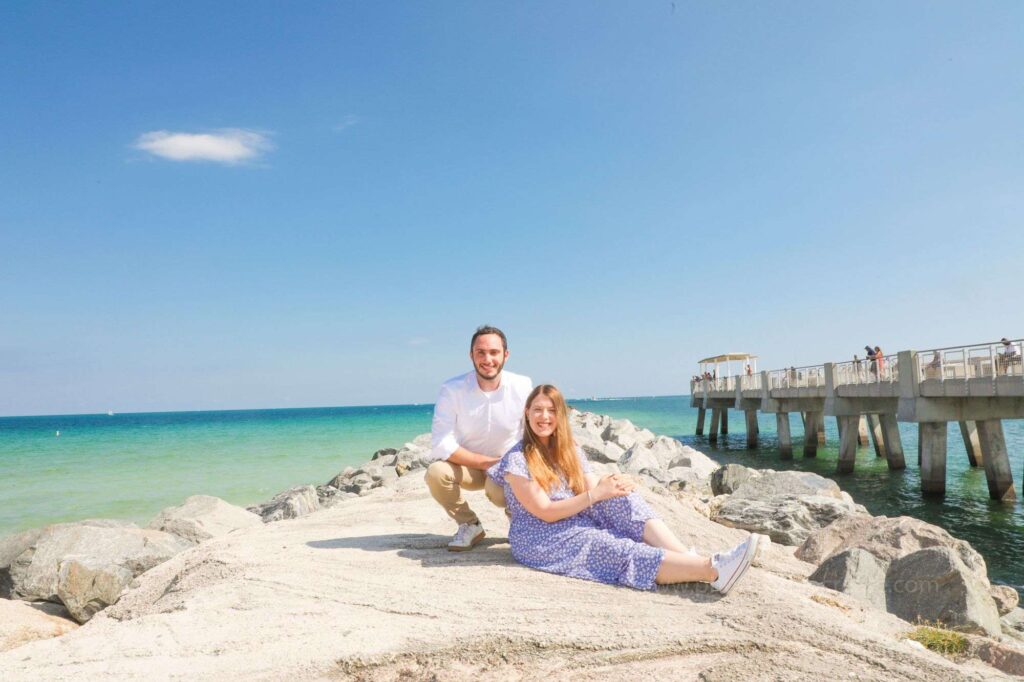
(748,558)
(472,543)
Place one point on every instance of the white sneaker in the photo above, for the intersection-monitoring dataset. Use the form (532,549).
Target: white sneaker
(466,537)
(733,563)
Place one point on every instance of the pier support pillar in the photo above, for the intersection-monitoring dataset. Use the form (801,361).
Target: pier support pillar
(932,437)
(862,430)
(891,439)
(839,428)
(751,428)
(725,420)
(811,433)
(716,419)
(821,428)
(700,420)
(847,444)
(785,440)
(876,434)
(969,430)
(997,461)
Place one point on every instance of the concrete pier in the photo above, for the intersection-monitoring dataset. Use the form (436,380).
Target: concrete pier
(969,431)
(875,429)
(891,439)
(785,440)
(932,439)
(976,386)
(847,444)
(751,417)
(997,460)
(716,420)
(811,433)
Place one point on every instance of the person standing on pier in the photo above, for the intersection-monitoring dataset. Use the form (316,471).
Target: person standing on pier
(872,364)
(477,418)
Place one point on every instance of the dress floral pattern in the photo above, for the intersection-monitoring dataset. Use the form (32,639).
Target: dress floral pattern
(603,543)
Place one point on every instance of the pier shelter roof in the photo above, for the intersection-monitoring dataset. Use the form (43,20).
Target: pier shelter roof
(726,357)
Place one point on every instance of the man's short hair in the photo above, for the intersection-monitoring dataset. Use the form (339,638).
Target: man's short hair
(488,329)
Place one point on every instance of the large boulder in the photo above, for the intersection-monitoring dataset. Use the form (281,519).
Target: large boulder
(727,479)
(10,547)
(888,538)
(786,519)
(21,622)
(796,483)
(666,453)
(700,465)
(588,422)
(86,567)
(290,504)
(202,517)
(414,455)
(625,434)
(854,572)
(640,459)
(596,449)
(1006,598)
(934,584)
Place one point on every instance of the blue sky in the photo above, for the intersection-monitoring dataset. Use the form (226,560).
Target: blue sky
(229,205)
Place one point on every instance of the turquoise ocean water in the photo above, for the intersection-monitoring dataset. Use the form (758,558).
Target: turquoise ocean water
(132,465)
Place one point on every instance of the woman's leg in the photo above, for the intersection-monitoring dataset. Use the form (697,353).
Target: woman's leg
(679,567)
(658,534)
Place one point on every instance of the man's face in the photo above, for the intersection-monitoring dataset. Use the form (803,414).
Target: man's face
(488,356)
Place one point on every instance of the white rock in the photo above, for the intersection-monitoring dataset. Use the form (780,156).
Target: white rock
(202,517)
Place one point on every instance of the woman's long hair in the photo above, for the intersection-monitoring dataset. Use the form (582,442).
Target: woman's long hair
(558,460)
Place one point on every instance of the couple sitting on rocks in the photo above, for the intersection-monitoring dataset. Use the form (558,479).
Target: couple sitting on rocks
(492,432)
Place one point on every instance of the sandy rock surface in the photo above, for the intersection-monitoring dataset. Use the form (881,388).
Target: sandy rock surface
(22,622)
(366,590)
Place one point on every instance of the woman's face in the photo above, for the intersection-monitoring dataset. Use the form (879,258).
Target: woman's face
(541,416)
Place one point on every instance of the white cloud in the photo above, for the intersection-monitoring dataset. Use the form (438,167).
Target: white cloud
(229,146)
(347,122)
(418,341)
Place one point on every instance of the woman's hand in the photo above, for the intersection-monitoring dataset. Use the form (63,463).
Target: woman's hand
(613,485)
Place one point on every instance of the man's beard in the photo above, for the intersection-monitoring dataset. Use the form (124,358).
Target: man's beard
(496,371)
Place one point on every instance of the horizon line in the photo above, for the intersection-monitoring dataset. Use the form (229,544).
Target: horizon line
(307,407)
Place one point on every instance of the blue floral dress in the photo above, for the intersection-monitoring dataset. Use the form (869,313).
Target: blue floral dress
(603,543)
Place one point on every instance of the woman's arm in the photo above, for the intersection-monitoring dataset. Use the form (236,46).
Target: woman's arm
(536,500)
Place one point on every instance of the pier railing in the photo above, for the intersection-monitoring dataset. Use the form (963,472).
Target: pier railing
(797,377)
(750,382)
(716,384)
(984,360)
(868,371)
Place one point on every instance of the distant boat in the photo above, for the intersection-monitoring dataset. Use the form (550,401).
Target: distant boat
(109,413)
(58,434)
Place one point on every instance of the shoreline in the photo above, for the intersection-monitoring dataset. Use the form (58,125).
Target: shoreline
(298,446)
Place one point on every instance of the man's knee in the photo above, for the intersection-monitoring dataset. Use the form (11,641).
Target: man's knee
(441,474)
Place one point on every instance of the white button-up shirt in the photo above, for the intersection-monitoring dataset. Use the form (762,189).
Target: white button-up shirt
(485,423)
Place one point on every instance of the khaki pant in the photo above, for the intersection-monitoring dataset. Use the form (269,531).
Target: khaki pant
(447,481)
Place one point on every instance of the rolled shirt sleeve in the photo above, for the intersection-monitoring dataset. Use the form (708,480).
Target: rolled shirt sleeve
(442,429)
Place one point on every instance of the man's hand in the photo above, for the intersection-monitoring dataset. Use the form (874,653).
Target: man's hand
(472,460)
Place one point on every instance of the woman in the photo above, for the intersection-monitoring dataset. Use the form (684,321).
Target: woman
(567,521)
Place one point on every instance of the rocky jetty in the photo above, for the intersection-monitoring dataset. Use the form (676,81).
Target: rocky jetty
(350,579)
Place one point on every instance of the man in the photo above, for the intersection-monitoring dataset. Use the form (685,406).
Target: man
(477,418)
